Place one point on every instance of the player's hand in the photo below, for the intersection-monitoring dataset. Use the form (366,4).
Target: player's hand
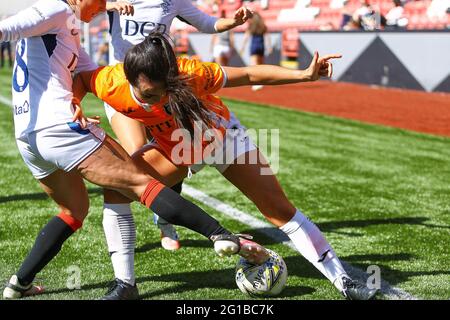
(321,66)
(242,15)
(79,117)
(122,7)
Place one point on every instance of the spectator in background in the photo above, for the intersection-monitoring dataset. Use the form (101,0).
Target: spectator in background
(327,26)
(395,18)
(264,4)
(222,45)
(347,15)
(351,25)
(102,54)
(438,9)
(257,32)
(6,46)
(367,17)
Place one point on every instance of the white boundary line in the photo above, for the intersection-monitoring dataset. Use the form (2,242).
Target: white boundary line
(273,233)
(6,101)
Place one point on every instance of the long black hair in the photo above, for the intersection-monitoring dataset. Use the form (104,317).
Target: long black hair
(155,59)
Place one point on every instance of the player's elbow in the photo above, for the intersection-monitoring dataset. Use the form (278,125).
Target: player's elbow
(250,76)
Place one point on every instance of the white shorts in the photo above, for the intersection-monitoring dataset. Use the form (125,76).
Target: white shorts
(236,143)
(221,50)
(63,146)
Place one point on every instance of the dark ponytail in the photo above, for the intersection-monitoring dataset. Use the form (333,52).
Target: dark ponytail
(155,59)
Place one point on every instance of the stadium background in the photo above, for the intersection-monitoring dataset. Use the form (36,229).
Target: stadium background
(365,155)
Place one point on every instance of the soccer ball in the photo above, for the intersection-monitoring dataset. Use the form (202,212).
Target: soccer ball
(267,279)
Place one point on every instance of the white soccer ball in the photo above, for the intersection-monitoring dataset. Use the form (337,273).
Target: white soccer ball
(267,279)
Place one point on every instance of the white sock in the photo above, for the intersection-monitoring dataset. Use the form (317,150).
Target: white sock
(311,243)
(120,232)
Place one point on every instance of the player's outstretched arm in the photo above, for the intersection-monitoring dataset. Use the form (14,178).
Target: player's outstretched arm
(276,75)
(33,21)
(205,23)
(240,17)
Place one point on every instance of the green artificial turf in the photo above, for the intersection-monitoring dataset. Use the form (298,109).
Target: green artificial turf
(381,196)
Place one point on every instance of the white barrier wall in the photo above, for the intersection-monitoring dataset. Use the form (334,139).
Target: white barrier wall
(413,60)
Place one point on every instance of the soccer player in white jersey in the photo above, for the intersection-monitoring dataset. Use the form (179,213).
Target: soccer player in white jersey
(126,31)
(130,30)
(60,153)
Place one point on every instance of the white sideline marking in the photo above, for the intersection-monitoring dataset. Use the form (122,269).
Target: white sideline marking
(6,101)
(271,232)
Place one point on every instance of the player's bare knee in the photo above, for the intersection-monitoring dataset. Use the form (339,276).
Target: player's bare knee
(79,214)
(139,189)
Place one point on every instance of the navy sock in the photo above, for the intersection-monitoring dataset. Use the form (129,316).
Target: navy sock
(46,246)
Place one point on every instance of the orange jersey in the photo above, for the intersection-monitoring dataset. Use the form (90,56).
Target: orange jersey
(110,84)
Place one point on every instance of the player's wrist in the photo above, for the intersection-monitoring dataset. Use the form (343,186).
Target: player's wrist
(304,75)
(223,25)
(110,6)
(76,101)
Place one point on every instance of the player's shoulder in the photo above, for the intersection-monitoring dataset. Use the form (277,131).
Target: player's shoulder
(51,8)
(186,64)
(113,75)
(191,65)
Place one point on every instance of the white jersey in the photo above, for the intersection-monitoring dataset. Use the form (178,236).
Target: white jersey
(47,52)
(127,31)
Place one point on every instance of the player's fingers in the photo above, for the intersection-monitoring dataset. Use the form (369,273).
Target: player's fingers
(323,73)
(315,58)
(77,113)
(95,119)
(131,10)
(83,122)
(247,13)
(331,56)
(250,14)
(330,69)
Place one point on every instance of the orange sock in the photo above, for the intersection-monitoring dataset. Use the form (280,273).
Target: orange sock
(73,223)
(154,187)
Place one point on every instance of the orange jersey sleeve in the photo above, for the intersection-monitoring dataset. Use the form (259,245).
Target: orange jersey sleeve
(205,77)
(110,84)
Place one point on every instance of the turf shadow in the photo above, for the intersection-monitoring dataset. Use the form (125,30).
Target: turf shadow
(388,273)
(40,196)
(188,243)
(269,236)
(331,226)
(214,279)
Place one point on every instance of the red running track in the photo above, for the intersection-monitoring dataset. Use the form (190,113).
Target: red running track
(407,109)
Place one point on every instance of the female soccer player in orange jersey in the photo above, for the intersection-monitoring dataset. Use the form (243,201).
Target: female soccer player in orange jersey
(60,153)
(174,100)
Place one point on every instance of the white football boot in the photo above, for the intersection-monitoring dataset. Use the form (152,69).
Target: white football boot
(169,236)
(229,244)
(14,290)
